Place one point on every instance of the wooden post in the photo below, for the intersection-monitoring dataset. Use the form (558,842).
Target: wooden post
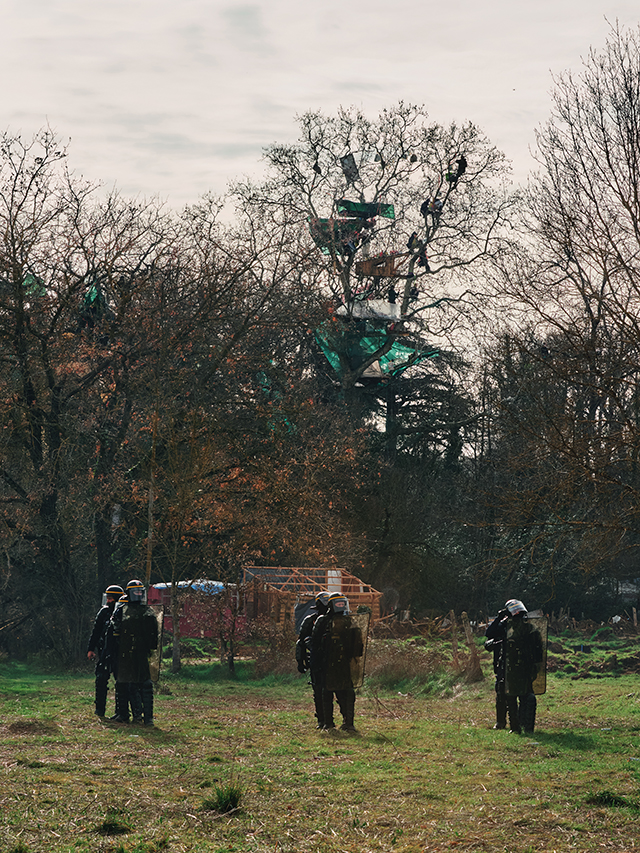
(454,640)
(474,668)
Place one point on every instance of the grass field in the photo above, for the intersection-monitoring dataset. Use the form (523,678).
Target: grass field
(425,773)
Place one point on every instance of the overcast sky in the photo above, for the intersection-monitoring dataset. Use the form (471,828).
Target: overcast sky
(176,98)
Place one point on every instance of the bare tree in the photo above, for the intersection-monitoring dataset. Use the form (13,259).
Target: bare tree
(568,369)
(400,213)
(60,253)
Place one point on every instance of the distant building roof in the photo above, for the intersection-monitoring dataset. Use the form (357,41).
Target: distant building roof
(199,585)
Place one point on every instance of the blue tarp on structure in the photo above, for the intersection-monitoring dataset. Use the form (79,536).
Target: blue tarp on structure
(200,585)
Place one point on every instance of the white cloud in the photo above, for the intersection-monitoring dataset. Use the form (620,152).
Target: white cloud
(175,99)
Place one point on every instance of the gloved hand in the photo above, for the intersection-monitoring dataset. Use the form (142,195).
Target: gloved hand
(301,667)
(504,614)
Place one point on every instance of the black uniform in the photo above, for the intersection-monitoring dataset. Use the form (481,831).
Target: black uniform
(135,631)
(516,645)
(304,660)
(100,645)
(334,643)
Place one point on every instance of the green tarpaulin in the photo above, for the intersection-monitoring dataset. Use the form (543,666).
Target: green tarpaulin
(359,344)
(338,234)
(33,285)
(365,210)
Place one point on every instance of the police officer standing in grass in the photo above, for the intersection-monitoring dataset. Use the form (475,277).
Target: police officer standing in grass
(336,641)
(306,660)
(135,632)
(517,654)
(100,650)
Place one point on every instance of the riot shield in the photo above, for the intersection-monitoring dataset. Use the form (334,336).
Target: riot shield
(346,651)
(156,655)
(301,611)
(361,622)
(526,656)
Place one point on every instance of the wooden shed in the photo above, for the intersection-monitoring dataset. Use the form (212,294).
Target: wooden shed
(276,591)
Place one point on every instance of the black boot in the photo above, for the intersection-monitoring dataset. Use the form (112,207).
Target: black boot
(147,702)
(327,710)
(501,707)
(122,703)
(527,713)
(135,700)
(347,702)
(514,720)
(102,682)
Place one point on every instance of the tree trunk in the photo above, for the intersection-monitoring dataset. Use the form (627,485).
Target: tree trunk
(176,662)
(231,658)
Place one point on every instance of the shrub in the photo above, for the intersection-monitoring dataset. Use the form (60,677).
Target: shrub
(226,798)
(275,648)
(393,665)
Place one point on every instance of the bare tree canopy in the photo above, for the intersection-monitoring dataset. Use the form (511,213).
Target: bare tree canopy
(567,372)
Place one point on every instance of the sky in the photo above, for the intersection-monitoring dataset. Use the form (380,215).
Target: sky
(175,99)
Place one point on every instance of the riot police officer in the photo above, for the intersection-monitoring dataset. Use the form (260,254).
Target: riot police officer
(304,657)
(336,646)
(517,656)
(135,632)
(100,650)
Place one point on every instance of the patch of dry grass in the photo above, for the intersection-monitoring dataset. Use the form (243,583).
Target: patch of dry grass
(425,667)
(425,773)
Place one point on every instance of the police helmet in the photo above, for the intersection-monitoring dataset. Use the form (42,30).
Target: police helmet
(514,606)
(339,604)
(322,602)
(111,593)
(136,592)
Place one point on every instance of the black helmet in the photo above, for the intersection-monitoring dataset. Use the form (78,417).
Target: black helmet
(322,602)
(339,603)
(111,594)
(136,592)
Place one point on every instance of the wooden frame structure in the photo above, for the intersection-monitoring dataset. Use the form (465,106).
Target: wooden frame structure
(274,591)
(383,266)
